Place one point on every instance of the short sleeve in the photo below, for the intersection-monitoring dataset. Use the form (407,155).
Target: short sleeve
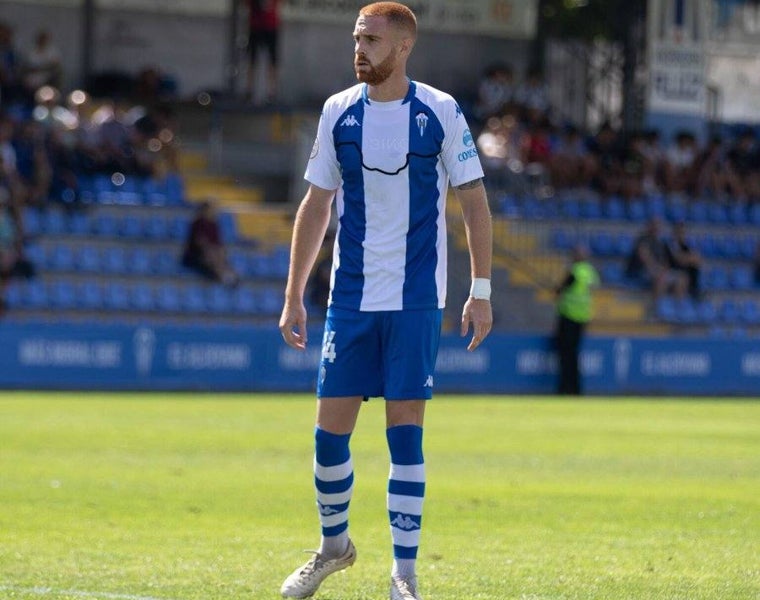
(323,169)
(459,153)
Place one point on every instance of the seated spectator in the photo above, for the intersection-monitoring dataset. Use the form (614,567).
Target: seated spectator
(32,163)
(204,249)
(680,164)
(571,163)
(495,91)
(743,165)
(42,65)
(532,97)
(12,260)
(606,151)
(649,264)
(686,259)
(713,175)
(11,90)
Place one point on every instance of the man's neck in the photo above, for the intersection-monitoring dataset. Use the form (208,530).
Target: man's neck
(393,88)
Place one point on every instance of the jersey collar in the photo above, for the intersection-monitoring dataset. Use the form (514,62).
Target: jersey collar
(408,98)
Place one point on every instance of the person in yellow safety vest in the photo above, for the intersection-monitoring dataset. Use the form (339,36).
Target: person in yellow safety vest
(574,311)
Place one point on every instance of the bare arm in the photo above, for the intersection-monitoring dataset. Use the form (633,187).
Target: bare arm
(477,222)
(309,229)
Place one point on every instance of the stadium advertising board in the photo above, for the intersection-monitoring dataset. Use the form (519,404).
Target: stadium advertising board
(677,79)
(122,357)
(500,18)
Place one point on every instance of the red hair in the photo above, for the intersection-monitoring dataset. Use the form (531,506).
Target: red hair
(397,14)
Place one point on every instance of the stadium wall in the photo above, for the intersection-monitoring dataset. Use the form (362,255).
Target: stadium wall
(124,357)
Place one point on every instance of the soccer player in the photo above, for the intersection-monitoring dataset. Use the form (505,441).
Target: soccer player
(386,150)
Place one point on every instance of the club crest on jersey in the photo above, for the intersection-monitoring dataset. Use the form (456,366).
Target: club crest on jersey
(422,121)
(350,121)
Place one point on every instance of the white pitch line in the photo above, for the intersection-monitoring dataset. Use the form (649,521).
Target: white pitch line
(44,591)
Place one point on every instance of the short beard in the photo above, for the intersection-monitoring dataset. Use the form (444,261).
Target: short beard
(378,74)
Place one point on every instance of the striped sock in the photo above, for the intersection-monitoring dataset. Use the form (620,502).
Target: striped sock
(334,480)
(406,491)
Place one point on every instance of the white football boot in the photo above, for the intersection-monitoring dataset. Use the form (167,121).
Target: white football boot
(305,580)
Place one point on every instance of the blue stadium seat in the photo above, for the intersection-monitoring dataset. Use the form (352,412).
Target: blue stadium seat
(193,299)
(36,295)
(131,227)
(141,297)
(716,213)
(36,254)
(105,225)
(116,296)
(742,278)
(157,227)
(14,295)
(61,258)
(602,244)
(636,211)
(90,295)
(165,263)
(259,265)
(114,260)
(707,312)
(737,214)
(63,294)
(54,222)
(32,222)
(728,246)
(698,211)
(244,301)
(750,312)
(280,261)
(561,239)
(227,227)
(239,262)
(79,224)
(614,209)
(168,298)
(666,309)
(175,189)
(140,261)
(729,311)
(218,299)
(178,228)
(270,300)
(612,273)
(754,214)
(716,277)
(87,259)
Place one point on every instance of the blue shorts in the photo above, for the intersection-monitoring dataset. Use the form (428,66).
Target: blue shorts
(389,354)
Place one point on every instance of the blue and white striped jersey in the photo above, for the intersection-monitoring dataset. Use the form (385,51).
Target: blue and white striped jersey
(391,163)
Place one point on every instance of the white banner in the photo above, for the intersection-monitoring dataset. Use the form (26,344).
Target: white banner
(677,81)
(501,18)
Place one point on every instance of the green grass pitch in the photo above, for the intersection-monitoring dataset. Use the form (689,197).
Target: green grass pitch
(203,497)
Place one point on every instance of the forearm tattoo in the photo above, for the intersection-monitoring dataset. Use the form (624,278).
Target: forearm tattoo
(470,184)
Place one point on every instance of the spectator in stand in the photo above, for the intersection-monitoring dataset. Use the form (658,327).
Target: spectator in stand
(42,65)
(532,96)
(684,258)
(204,248)
(607,168)
(263,34)
(496,91)
(32,163)
(654,162)
(713,174)
(633,167)
(12,260)
(744,165)
(8,164)
(571,164)
(649,263)
(500,149)
(680,164)
(11,90)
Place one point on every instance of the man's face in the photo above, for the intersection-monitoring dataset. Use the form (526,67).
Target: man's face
(375,50)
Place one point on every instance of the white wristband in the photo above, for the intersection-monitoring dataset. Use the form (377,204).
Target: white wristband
(481,288)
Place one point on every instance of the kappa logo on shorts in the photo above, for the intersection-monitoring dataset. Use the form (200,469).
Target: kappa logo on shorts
(428,381)
(350,121)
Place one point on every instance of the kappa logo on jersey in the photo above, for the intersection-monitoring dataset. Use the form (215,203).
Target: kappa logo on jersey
(404,522)
(326,511)
(350,121)
(459,111)
(429,381)
(422,121)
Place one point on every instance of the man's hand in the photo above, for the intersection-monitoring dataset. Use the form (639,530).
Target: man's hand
(478,313)
(293,325)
